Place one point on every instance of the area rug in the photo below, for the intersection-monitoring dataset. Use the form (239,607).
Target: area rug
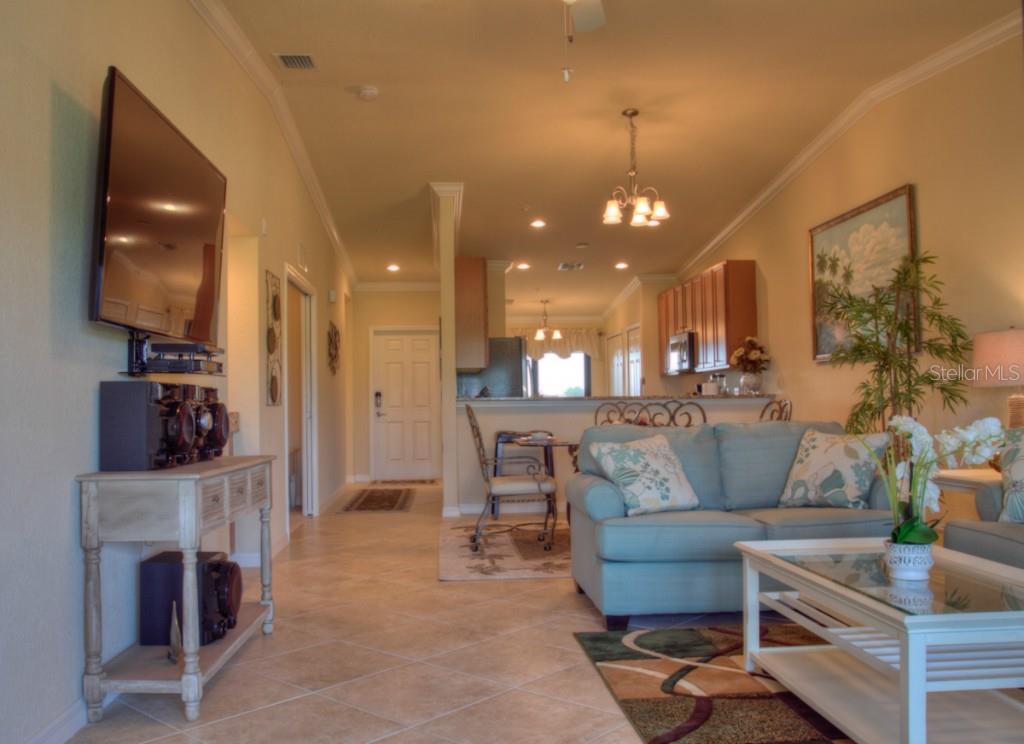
(688,685)
(379,499)
(414,482)
(507,555)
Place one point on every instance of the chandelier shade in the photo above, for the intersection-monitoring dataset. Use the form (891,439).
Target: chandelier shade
(633,197)
(541,334)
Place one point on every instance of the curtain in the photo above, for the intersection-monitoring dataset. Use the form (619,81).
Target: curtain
(587,340)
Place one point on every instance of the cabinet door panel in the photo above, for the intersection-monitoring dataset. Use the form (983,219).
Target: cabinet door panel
(720,338)
(664,328)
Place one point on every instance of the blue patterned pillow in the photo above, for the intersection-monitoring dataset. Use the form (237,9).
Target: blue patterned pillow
(832,470)
(648,473)
(1011,461)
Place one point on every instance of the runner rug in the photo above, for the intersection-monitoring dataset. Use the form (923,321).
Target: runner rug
(688,685)
(379,499)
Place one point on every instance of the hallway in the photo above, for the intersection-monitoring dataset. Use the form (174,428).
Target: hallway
(368,646)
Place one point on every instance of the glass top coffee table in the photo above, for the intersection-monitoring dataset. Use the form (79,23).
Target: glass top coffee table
(888,644)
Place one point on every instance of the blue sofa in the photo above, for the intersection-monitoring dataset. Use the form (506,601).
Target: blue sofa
(686,561)
(989,538)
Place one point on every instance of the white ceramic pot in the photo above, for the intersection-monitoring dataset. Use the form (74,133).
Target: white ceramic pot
(908,561)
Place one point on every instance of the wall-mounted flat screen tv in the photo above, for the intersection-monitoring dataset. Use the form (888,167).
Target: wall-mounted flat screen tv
(160,223)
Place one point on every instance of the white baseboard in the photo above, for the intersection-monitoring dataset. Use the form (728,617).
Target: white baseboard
(451,512)
(357,478)
(69,722)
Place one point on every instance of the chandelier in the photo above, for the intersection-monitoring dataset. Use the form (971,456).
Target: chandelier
(643,213)
(541,334)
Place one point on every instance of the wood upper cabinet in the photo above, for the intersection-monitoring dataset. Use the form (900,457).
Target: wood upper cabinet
(472,351)
(719,306)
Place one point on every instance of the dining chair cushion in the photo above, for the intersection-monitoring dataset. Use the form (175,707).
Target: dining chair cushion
(521,485)
(833,470)
(648,473)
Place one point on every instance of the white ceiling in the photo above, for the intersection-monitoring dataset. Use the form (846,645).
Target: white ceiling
(471,90)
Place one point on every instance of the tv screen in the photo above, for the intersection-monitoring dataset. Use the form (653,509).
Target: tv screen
(160,223)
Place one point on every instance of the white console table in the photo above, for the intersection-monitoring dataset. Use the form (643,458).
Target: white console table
(174,505)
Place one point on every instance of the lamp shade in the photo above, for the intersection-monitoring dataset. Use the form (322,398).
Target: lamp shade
(612,213)
(556,335)
(643,206)
(999,358)
(539,335)
(660,211)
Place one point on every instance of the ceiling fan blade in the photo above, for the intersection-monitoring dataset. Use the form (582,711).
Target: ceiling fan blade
(587,15)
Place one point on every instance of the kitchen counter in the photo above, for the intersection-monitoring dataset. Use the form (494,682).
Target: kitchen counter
(635,399)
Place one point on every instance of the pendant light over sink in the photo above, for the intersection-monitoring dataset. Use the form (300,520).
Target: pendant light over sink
(636,199)
(541,334)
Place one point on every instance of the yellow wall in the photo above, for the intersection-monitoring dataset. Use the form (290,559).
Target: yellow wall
(641,307)
(379,309)
(959,138)
(53,60)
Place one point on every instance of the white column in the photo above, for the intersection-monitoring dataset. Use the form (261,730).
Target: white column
(446,205)
(751,615)
(913,689)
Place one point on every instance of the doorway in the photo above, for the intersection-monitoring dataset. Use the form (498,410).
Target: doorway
(405,404)
(634,362)
(616,355)
(299,409)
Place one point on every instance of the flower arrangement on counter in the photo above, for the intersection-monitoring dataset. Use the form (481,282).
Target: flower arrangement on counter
(751,357)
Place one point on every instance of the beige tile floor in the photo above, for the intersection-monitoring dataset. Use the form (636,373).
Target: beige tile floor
(369,647)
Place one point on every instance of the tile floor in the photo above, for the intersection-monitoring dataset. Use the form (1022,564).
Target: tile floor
(369,647)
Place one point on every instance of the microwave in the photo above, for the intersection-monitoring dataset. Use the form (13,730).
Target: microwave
(679,355)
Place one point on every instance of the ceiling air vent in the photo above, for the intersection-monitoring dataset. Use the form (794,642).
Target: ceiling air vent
(569,266)
(296,61)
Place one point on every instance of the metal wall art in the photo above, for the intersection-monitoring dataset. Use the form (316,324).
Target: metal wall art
(274,381)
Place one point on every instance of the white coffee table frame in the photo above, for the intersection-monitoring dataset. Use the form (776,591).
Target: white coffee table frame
(873,675)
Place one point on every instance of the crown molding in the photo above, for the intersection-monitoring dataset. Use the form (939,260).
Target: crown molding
(397,287)
(231,35)
(440,190)
(980,41)
(624,294)
(657,278)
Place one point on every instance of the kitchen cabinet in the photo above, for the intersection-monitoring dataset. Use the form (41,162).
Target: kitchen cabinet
(472,352)
(719,306)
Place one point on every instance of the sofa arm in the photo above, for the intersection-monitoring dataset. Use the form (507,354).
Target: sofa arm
(599,498)
(988,500)
(878,497)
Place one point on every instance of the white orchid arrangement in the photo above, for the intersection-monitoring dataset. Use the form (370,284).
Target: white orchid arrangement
(910,464)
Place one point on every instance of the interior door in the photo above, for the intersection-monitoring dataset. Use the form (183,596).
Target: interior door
(634,362)
(405,406)
(616,365)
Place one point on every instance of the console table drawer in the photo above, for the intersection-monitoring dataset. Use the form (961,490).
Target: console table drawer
(238,494)
(213,501)
(258,485)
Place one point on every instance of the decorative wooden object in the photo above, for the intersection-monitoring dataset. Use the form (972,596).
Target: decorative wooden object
(472,352)
(274,340)
(174,505)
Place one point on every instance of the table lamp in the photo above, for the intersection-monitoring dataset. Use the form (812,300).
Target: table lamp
(999,361)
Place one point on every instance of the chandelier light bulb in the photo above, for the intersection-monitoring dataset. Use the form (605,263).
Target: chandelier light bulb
(638,220)
(612,213)
(539,335)
(660,211)
(643,206)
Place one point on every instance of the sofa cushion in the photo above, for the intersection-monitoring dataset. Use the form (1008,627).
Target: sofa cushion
(756,458)
(676,536)
(696,448)
(820,522)
(648,473)
(1011,460)
(995,541)
(833,470)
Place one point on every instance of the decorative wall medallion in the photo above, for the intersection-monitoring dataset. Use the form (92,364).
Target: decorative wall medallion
(333,347)
(274,383)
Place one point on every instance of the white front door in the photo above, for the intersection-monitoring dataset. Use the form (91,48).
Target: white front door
(405,406)
(616,365)
(634,363)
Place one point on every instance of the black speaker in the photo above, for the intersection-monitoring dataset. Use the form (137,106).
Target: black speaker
(220,596)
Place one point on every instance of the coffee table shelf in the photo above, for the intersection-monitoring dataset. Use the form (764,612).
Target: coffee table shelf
(889,644)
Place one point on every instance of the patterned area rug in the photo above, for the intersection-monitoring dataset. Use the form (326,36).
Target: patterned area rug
(379,499)
(414,482)
(688,685)
(508,555)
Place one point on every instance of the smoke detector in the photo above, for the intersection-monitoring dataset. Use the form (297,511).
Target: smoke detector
(295,61)
(368,93)
(570,266)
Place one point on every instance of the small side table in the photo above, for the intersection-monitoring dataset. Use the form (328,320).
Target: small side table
(175,505)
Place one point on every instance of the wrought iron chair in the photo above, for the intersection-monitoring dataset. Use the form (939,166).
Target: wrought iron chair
(777,410)
(684,413)
(535,485)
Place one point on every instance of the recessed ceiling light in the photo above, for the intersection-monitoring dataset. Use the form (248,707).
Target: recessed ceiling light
(621,265)
(538,223)
(522,266)
(393,267)
(168,207)
(653,223)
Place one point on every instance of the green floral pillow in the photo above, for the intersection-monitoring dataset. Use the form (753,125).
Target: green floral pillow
(832,470)
(1011,460)
(648,473)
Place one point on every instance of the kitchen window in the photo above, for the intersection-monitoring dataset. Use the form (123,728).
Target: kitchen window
(554,377)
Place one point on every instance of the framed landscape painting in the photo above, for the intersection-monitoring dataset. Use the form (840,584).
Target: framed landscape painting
(858,249)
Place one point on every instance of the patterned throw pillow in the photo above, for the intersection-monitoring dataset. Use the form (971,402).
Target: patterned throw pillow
(1011,461)
(832,470)
(648,473)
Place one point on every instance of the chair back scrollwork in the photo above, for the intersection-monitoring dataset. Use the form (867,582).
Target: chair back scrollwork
(479,441)
(777,410)
(683,413)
